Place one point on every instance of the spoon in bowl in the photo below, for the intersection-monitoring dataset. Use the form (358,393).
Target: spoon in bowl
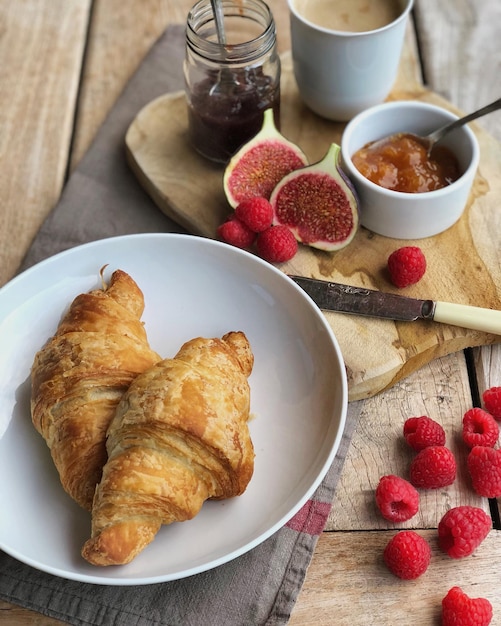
(428,141)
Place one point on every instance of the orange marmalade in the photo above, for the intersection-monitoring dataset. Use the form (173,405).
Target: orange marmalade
(402,163)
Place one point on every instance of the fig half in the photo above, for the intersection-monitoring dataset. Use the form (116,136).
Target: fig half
(261,163)
(318,203)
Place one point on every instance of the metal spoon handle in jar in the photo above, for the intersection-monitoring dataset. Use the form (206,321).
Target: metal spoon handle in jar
(440,132)
(217,9)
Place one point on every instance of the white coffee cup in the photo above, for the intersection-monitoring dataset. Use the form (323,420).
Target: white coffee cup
(341,73)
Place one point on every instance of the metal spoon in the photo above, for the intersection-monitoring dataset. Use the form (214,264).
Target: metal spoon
(225,79)
(428,141)
(217,9)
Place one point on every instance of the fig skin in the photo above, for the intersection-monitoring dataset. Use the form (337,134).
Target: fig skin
(318,203)
(257,167)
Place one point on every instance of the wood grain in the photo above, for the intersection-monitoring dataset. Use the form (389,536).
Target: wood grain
(345,583)
(377,353)
(440,390)
(11,615)
(121,33)
(460,53)
(41,48)
(349,584)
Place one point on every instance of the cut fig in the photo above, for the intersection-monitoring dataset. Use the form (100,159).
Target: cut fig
(318,203)
(261,163)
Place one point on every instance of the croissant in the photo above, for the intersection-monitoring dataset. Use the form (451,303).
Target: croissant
(80,375)
(180,436)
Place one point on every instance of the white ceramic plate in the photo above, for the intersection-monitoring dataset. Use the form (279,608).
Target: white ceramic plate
(192,287)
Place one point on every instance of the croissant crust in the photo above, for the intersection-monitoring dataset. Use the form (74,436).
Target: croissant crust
(80,375)
(180,436)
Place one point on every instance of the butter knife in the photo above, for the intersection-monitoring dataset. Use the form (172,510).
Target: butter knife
(331,296)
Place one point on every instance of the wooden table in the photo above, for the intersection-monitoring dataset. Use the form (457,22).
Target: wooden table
(63,66)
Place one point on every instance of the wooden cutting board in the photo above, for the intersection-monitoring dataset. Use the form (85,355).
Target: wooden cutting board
(463,263)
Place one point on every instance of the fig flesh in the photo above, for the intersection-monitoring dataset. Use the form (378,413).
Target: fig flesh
(318,203)
(257,167)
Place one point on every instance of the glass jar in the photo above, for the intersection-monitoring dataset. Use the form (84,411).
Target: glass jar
(230,83)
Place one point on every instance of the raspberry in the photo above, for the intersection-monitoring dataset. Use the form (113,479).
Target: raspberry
(256,213)
(407,266)
(484,465)
(492,401)
(277,244)
(458,609)
(479,428)
(236,233)
(462,529)
(396,498)
(433,468)
(422,432)
(407,555)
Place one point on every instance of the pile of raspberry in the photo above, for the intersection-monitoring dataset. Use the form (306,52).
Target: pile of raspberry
(251,224)
(463,528)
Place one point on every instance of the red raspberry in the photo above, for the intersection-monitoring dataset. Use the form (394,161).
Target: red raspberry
(277,244)
(462,529)
(256,213)
(433,468)
(236,233)
(407,555)
(458,609)
(407,266)
(422,432)
(484,465)
(492,401)
(479,428)
(396,498)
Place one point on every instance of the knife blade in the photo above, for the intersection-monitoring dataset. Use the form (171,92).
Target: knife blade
(331,296)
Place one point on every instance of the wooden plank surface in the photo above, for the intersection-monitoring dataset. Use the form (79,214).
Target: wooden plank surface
(377,353)
(121,33)
(440,390)
(359,591)
(349,585)
(346,583)
(41,47)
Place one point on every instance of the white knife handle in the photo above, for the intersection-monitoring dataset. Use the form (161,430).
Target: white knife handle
(476,318)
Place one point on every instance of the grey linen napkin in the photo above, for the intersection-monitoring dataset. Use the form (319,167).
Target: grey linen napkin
(103,199)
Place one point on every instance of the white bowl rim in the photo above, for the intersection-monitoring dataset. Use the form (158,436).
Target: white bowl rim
(408,104)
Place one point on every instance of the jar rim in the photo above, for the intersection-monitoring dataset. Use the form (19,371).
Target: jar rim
(201,14)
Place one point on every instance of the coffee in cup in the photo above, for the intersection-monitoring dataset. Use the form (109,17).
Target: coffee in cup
(346,52)
(356,16)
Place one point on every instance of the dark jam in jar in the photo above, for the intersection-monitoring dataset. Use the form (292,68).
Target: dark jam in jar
(230,80)
(226,110)
(402,163)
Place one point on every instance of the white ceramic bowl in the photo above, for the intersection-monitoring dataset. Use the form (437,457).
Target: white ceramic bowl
(192,287)
(409,215)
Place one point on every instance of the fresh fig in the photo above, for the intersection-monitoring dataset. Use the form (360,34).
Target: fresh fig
(261,163)
(318,203)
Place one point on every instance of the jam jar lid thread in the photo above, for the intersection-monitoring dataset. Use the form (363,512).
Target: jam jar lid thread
(201,25)
(243,52)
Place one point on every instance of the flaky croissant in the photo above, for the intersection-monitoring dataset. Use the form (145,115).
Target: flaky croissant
(179,437)
(80,375)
